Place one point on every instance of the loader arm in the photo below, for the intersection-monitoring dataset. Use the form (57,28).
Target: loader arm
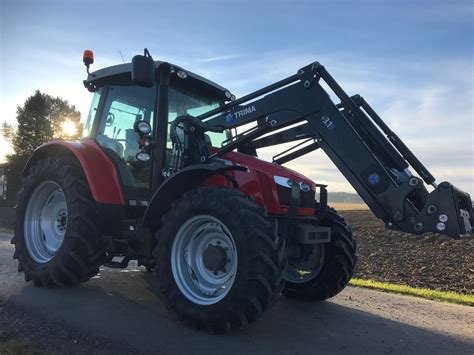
(372,158)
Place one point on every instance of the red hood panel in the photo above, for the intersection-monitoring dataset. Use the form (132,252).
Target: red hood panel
(258,182)
(271,169)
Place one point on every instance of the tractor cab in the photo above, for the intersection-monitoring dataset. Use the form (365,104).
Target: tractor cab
(119,104)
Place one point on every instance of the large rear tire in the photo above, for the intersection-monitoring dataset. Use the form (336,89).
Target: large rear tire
(57,238)
(337,261)
(218,264)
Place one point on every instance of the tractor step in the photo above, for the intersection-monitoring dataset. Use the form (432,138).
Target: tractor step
(118,262)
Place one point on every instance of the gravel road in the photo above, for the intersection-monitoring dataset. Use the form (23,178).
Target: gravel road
(117,312)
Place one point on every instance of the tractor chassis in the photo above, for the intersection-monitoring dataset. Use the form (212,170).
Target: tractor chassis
(130,240)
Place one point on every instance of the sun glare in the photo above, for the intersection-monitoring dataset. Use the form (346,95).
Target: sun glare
(69,128)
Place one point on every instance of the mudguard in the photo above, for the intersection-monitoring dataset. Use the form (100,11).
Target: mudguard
(99,170)
(186,179)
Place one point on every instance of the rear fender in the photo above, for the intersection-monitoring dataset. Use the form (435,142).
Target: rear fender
(99,170)
(184,180)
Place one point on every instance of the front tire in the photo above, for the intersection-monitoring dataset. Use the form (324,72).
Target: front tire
(218,265)
(57,239)
(334,269)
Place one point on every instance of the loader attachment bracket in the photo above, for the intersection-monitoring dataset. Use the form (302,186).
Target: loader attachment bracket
(447,210)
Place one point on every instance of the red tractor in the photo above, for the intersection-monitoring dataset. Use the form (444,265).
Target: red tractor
(162,176)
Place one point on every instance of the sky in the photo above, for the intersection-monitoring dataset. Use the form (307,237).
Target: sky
(411,60)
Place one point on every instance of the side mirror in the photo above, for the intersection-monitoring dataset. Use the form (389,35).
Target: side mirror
(143,70)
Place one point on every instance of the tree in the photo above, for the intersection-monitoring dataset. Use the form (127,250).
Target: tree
(62,112)
(39,120)
(34,124)
(8,132)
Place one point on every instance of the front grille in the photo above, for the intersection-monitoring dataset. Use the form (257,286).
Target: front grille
(307,199)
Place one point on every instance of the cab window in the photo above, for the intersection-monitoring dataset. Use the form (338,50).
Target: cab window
(91,116)
(125,105)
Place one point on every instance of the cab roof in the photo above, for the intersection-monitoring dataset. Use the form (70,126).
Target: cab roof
(120,74)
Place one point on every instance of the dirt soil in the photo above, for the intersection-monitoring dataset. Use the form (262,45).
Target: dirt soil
(432,261)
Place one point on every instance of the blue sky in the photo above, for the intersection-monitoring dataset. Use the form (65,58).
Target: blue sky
(412,60)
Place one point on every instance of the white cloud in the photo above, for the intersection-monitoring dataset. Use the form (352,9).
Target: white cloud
(217,58)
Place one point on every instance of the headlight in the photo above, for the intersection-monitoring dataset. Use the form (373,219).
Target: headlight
(291,183)
(282,181)
(305,187)
(142,127)
(182,74)
(284,189)
(143,156)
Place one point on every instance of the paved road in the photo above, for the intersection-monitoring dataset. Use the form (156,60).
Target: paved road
(119,306)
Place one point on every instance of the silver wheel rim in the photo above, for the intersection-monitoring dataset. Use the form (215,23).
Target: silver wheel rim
(301,271)
(199,238)
(45,221)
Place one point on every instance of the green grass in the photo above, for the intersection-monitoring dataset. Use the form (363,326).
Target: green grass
(445,296)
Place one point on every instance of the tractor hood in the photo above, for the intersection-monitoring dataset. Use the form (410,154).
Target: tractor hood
(271,185)
(270,169)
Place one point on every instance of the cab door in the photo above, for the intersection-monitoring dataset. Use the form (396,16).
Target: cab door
(121,107)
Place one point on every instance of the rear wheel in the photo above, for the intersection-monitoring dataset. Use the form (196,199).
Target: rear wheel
(323,270)
(217,260)
(57,240)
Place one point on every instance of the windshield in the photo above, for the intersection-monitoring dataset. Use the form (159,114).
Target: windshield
(133,103)
(184,102)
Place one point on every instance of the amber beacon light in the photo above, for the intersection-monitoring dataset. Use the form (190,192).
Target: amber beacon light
(88,58)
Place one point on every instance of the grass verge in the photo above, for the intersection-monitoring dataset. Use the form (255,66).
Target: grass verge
(348,206)
(445,296)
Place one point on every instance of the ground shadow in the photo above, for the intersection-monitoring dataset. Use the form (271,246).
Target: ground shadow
(289,328)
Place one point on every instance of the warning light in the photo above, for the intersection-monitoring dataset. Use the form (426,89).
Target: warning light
(88,57)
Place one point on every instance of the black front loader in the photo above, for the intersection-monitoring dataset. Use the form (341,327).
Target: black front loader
(372,157)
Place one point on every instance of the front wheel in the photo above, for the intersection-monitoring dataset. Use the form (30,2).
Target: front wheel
(218,265)
(321,271)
